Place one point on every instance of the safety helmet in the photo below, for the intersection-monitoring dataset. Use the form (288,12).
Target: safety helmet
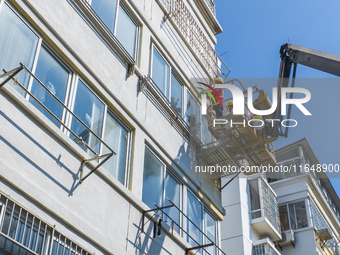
(218,79)
(230,103)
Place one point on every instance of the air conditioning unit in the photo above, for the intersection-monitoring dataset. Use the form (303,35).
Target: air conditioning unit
(287,238)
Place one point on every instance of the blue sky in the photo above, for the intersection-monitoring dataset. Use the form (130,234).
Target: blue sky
(253,32)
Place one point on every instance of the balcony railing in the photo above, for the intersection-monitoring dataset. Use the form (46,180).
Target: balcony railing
(270,205)
(211,6)
(264,247)
(264,209)
(180,15)
(290,168)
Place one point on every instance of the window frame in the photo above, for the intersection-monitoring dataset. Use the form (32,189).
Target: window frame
(308,220)
(171,72)
(70,92)
(69,85)
(184,190)
(133,19)
(184,90)
(170,172)
(107,110)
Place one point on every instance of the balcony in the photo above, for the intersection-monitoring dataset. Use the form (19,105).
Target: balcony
(264,247)
(264,209)
(179,14)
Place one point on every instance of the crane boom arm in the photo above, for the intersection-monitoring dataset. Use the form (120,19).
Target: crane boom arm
(291,55)
(319,60)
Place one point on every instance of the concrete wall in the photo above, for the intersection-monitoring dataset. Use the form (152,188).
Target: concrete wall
(39,165)
(237,232)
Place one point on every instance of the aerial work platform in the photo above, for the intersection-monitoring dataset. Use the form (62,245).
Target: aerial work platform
(236,142)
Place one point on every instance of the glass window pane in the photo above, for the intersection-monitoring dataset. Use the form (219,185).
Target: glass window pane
(255,199)
(193,115)
(152,180)
(172,191)
(176,94)
(206,135)
(160,72)
(284,217)
(301,216)
(116,136)
(292,216)
(18,44)
(89,109)
(210,231)
(126,31)
(106,10)
(55,77)
(5,224)
(194,213)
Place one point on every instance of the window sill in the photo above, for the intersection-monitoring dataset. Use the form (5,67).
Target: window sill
(151,90)
(304,229)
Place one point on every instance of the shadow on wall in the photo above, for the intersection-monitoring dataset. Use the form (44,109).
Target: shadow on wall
(145,244)
(75,177)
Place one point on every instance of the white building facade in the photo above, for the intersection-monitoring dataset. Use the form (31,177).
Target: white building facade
(100,120)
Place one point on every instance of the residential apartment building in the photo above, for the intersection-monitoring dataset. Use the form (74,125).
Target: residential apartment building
(291,211)
(100,121)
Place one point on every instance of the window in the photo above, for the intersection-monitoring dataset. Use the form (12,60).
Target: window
(160,72)
(194,213)
(193,115)
(121,23)
(206,135)
(210,231)
(173,90)
(167,81)
(56,77)
(255,203)
(159,184)
(176,93)
(90,110)
(264,247)
(25,234)
(293,216)
(117,137)
(19,43)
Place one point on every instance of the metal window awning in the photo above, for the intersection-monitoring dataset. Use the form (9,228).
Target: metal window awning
(10,75)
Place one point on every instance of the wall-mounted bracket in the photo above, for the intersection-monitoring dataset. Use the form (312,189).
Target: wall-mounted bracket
(153,210)
(197,247)
(10,76)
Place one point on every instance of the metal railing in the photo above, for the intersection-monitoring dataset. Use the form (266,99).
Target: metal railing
(294,167)
(211,5)
(270,206)
(147,84)
(10,76)
(24,232)
(178,12)
(205,238)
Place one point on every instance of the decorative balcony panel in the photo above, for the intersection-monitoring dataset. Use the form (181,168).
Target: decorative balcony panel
(264,209)
(180,15)
(264,247)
